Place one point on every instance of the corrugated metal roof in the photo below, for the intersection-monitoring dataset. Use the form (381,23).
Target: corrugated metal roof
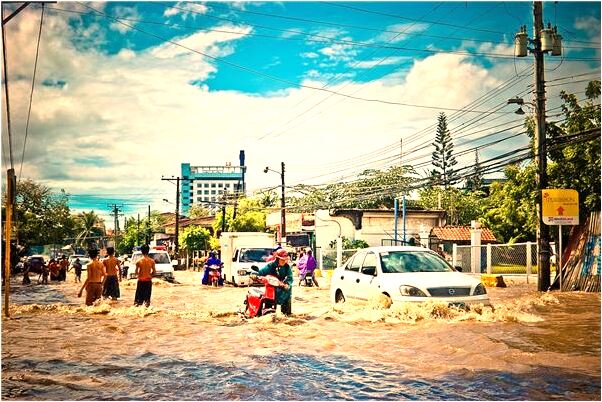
(461,233)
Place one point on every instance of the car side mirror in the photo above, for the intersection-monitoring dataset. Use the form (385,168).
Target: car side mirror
(254,268)
(458,268)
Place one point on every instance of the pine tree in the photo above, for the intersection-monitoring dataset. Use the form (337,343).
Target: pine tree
(475,181)
(443,158)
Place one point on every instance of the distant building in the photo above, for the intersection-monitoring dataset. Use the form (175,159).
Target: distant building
(207,185)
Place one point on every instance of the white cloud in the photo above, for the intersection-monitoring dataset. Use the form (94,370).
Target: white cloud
(137,113)
(185,10)
(400,32)
(127,14)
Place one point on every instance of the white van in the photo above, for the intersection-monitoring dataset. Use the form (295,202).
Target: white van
(163,265)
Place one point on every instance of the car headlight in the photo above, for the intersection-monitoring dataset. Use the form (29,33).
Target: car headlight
(480,290)
(411,291)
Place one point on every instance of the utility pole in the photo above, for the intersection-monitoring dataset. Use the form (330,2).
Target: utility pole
(115,212)
(148,231)
(283,206)
(10,201)
(543,271)
(177,222)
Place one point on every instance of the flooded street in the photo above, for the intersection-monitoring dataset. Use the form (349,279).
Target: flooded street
(192,345)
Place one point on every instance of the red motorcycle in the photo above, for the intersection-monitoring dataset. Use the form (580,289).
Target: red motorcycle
(262,301)
(215,275)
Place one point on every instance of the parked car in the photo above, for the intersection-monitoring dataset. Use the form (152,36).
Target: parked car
(163,265)
(35,263)
(405,274)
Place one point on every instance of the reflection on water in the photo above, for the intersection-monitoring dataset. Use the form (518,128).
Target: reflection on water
(191,344)
(279,377)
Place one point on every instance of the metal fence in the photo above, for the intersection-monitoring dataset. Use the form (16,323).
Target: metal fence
(515,259)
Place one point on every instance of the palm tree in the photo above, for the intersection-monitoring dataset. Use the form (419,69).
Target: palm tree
(88,226)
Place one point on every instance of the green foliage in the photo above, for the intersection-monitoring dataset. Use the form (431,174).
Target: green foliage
(349,244)
(461,206)
(89,224)
(250,217)
(135,235)
(373,189)
(576,165)
(195,238)
(510,210)
(41,216)
(198,211)
(443,158)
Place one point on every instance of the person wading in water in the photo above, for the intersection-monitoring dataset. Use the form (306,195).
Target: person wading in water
(111,283)
(93,283)
(145,269)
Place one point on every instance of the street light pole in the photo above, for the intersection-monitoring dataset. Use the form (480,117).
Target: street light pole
(282,200)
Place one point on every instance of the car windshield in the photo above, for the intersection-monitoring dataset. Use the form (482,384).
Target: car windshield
(254,254)
(160,258)
(412,261)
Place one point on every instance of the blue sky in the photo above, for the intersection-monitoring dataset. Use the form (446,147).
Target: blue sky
(125,92)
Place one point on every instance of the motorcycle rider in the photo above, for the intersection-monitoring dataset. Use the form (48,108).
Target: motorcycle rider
(281,270)
(307,265)
(212,260)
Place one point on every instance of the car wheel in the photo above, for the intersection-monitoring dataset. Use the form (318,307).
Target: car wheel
(339,297)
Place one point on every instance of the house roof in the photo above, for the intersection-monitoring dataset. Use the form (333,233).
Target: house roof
(461,233)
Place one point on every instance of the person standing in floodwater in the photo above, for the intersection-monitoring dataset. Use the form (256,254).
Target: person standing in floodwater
(113,269)
(77,267)
(93,283)
(145,269)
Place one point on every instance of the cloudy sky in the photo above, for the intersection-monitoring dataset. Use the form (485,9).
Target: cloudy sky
(126,92)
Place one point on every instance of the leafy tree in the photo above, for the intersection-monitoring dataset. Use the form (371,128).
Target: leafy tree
(41,217)
(461,206)
(250,217)
(89,224)
(349,244)
(443,158)
(575,157)
(510,210)
(195,238)
(373,189)
(198,211)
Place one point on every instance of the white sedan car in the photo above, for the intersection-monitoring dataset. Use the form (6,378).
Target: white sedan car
(163,265)
(405,274)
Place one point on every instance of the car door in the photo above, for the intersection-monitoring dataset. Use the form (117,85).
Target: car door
(351,276)
(368,284)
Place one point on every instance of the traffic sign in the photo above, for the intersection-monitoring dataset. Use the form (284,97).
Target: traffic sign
(560,206)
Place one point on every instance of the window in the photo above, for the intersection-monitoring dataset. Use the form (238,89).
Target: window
(354,265)
(205,185)
(199,192)
(212,185)
(205,198)
(213,192)
(369,265)
(220,185)
(206,192)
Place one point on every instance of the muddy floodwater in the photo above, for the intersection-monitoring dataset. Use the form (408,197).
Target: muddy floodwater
(191,344)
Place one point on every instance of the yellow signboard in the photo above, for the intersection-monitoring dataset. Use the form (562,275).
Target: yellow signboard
(560,206)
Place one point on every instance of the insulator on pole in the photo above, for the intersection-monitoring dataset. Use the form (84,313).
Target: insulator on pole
(547,39)
(520,43)
(557,43)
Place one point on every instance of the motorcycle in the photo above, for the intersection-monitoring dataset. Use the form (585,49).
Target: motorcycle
(262,301)
(215,275)
(306,279)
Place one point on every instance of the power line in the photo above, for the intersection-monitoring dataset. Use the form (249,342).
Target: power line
(33,83)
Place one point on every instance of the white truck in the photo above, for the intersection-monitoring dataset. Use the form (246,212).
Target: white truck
(242,250)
